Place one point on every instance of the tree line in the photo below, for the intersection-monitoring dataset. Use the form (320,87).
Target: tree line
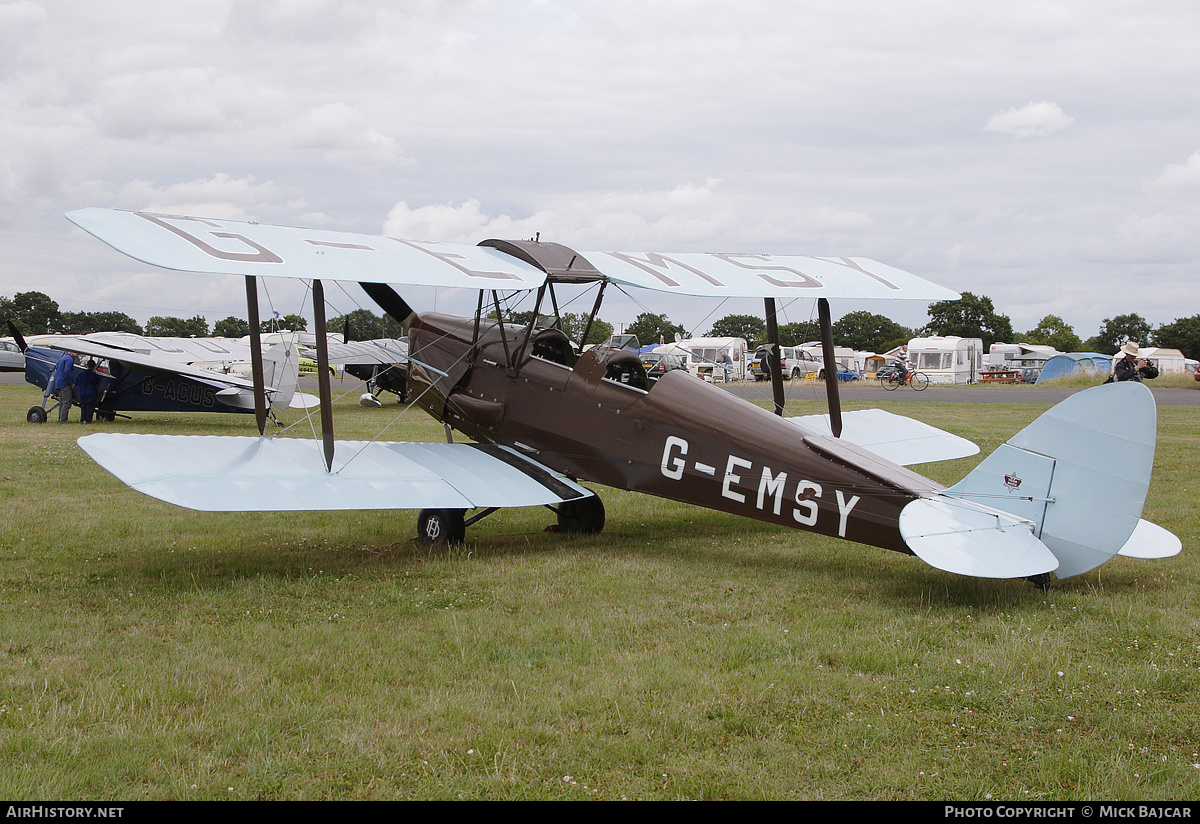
(974,316)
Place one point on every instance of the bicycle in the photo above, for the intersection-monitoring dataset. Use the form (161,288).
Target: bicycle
(893,381)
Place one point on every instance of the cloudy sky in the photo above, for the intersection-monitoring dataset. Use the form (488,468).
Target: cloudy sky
(1046,154)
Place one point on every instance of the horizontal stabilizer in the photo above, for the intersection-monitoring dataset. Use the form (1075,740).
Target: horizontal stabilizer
(968,539)
(304,400)
(895,438)
(246,474)
(1150,541)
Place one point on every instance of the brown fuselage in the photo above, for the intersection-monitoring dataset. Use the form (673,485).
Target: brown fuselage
(681,439)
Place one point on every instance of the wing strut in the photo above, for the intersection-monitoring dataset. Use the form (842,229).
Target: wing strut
(323,373)
(775,367)
(831,377)
(256,359)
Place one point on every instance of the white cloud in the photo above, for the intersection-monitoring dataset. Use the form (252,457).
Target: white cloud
(347,138)
(220,196)
(677,125)
(1181,175)
(1030,120)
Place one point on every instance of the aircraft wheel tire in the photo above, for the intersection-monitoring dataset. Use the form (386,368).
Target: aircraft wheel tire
(584,516)
(105,417)
(36,415)
(441,527)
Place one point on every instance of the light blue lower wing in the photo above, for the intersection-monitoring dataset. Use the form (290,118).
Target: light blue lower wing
(247,474)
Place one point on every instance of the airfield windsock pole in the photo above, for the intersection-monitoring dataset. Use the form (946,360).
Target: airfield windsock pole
(256,361)
(323,373)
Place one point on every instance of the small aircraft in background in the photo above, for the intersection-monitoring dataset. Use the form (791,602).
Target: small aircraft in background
(381,364)
(1063,496)
(139,374)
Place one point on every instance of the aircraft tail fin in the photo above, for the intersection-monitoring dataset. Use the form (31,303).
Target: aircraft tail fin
(281,370)
(1080,474)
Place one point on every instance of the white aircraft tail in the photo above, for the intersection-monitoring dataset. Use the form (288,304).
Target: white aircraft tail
(281,370)
(1079,474)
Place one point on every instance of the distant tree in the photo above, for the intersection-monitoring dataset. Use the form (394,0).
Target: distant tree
(572,325)
(231,327)
(1054,331)
(970,317)
(869,332)
(794,334)
(166,327)
(1182,334)
(752,328)
(366,325)
(33,312)
(1116,332)
(651,328)
(85,323)
(290,323)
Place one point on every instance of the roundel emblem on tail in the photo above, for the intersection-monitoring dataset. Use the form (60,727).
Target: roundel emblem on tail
(1012,481)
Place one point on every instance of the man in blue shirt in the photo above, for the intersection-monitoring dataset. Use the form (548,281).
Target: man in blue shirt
(64,383)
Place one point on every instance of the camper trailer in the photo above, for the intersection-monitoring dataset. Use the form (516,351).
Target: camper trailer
(702,356)
(948,359)
(1167,360)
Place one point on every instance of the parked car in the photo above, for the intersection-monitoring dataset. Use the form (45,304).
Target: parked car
(658,365)
(11,358)
(796,364)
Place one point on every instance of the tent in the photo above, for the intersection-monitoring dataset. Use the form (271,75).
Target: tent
(1067,365)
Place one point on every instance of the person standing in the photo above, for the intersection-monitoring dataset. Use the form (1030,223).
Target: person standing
(1130,368)
(88,388)
(64,384)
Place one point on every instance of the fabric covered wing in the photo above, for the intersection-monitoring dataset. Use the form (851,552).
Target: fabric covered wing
(153,362)
(765,276)
(227,247)
(382,351)
(899,439)
(247,474)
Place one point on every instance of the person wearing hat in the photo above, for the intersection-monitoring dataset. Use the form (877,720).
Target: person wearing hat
(1129,368)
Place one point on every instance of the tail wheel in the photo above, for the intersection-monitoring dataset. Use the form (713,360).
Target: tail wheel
(919,381)
(36,415)
(582,516)
(441,527)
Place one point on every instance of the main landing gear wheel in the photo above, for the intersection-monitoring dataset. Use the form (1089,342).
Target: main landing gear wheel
(36,415)
(441,527)
(583,516)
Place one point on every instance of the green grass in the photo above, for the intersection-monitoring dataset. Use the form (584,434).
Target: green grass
(149,652)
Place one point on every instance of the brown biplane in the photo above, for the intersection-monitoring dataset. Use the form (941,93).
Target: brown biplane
(542,417)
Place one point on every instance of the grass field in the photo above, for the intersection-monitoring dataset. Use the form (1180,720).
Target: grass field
(149,652)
